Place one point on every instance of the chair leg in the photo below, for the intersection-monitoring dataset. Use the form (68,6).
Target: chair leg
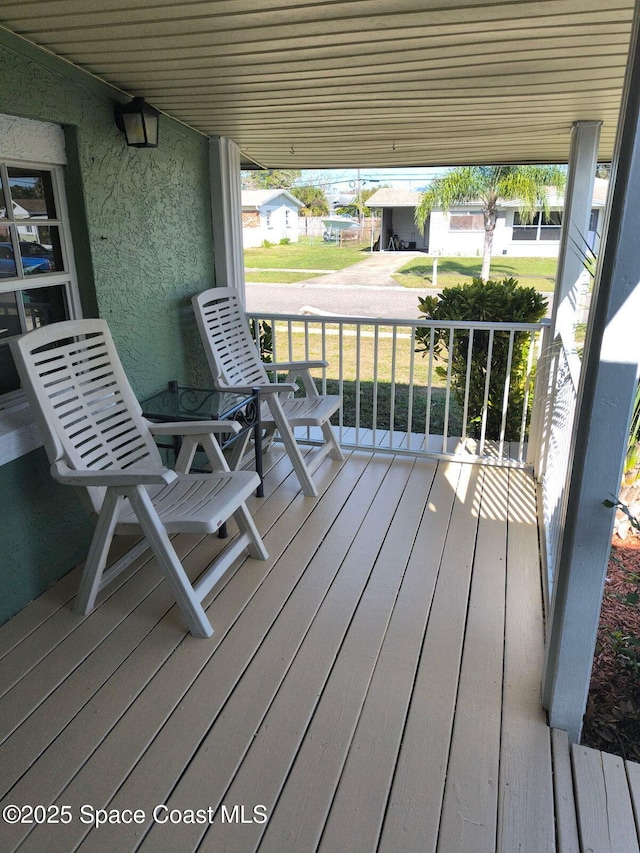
(292,448)
(247,525)
(184,594)
(330,438)
(267,438)
(98,553)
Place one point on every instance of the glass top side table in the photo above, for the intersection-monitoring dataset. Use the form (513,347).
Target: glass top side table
(183,403)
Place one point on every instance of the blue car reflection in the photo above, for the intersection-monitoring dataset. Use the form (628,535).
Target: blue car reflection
(30,264)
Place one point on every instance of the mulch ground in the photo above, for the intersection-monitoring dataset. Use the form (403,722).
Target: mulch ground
(612,719)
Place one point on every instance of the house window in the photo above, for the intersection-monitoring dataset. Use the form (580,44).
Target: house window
(541,227)
(286,218)
(472,221)
(37,286)
(267,219)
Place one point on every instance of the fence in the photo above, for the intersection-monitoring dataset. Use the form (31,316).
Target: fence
(313,226)
(440,388)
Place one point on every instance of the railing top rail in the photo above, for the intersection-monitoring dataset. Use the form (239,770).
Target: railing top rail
(384,321)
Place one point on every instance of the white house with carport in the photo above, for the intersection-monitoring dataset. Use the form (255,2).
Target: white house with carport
(460,230)
(269,215)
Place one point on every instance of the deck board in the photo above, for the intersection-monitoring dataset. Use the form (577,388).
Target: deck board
(525,808)
(413,811)
(374,684)
(470,805)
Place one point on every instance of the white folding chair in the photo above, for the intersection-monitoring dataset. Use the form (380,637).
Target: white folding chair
(96,438)
(235,363)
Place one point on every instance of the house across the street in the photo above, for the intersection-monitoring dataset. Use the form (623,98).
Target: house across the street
(460,230)
(269,215)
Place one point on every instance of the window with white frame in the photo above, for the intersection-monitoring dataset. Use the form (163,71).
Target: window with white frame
(472,220)
(287,214)
(543,226)
(37,283)
(267,219)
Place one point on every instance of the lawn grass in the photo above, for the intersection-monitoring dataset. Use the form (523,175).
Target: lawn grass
(308,253)
(530,272)
(399,394)
(360,365)
(279,277)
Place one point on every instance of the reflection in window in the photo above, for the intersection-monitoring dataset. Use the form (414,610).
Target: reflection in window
(9,316)
(35,286)
(44,305)
(466,222)
(44,256)
(31,193)
(541,227)
(8,268)
(9,379)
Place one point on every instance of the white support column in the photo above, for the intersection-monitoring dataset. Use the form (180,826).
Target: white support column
(583,159)
(608,383)
(226,206)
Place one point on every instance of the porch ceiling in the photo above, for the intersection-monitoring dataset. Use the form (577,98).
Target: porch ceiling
(360,83)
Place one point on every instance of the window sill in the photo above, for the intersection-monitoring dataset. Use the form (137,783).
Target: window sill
(19,433)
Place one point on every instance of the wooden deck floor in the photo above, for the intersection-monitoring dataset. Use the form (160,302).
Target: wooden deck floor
(373,686)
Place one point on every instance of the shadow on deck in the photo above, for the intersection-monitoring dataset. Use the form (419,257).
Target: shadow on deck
(374,686)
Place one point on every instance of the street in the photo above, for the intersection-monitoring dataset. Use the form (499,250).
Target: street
(350,300)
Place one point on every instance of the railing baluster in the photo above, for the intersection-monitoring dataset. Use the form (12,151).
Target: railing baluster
(274,346)
(358,386)
(376,340)
(485,404)
(341,376)
(525,402)
(467,386)
(355,336)
(392,388)
(323,331)
(427,431)
(445,425)
(505,398)
(412,359)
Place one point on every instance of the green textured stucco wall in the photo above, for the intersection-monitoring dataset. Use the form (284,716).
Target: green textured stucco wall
(141,227)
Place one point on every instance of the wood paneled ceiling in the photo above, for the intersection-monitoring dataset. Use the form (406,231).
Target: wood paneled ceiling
(361,83)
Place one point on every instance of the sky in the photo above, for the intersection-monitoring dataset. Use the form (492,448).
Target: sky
(344,180)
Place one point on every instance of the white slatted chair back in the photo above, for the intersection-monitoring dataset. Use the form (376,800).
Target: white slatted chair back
(233,356)
(235,363)
(85,408)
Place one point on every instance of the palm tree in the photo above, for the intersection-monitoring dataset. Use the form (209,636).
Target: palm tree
(314,200)
(528,185)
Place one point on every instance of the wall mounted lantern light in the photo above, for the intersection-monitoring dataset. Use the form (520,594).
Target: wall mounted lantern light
(139,123)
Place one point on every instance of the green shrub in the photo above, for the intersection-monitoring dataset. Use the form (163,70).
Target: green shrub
(263,336)
(267,244)
(285,241)
(493,301)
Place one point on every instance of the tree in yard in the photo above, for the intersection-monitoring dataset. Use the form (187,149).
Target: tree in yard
(314,200)
(357,208)
(486,186)
(270,179)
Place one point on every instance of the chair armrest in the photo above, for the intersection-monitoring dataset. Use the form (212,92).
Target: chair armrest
(131,477)
(193,427)
(296,365)
(266,388)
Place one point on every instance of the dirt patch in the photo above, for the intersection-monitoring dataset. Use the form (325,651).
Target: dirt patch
(612,719)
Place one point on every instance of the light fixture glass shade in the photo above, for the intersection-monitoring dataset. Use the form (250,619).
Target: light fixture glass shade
(139,123)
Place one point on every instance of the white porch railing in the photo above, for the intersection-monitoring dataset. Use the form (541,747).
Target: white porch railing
(559,375)
(471,407)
